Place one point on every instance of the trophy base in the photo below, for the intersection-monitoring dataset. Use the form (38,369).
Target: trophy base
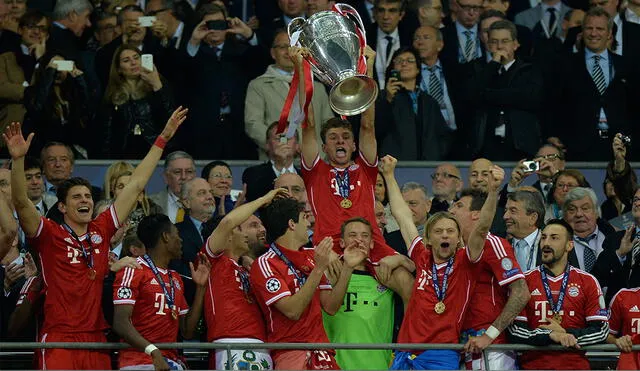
(353,95)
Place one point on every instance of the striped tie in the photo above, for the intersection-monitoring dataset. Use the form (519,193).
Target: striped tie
(598,75)
(469,46)
(435,87)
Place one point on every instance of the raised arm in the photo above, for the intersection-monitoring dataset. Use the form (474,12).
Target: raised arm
(367,141)
(310,149)
(218,240)
(399,208)
(331,300)
(200,277)
(487,213)
(125,202)
(28,215)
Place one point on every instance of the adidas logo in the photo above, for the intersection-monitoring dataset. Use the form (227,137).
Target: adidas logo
(634,309)
(154,282)
(536,292)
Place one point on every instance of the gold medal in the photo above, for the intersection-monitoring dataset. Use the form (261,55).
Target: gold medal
(557,317)
(439,308)
(174,313)
(92,274)
(346,203)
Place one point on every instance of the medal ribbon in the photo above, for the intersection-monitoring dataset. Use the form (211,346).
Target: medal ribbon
(342,178)
(563,288)
(154,269)
(441,292)
(299,276)
(88,256)
(244,280)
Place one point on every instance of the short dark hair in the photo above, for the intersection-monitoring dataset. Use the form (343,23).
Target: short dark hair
(532,201)
(210,8)
(478,198)
(403,3)
(505,25)
(208,167)
(131,239)
(63,189)
(275,217)
(332,123)
(31,18)
(491,13)
(562,223)
(402,50)
(31,162)
(151,228)
(357,219)
(128,8)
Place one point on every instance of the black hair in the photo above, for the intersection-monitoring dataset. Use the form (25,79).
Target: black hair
(64,188)
(206,170)
(564,224)
(151,228)
(478,198)
(275,217)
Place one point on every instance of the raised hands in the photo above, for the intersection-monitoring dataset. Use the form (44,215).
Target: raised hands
(174,122)
(201,274)
(355,254)
(236,26)
(496,176)
(16,144)
(322,254)
(387,165)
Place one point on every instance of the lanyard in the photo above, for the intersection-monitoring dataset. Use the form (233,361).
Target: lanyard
(342,178)
(88,256)
(299,276)
(531,250)
(170,297)
(244,280)
(441,292)
(563,288)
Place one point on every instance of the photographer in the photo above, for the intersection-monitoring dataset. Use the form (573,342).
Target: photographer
(410,124)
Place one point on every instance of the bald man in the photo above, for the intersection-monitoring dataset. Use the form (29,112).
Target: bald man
(295,185)
(445,184)
(478,175)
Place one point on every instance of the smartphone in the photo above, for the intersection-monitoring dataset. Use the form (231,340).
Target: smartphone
(64,65)
(146,61)
(394,74)
(146,21)
(531,166)
(218,25)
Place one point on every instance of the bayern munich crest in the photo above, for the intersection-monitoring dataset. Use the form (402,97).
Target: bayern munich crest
(96,239)
(124,293)
(506,264)
(273,285)
(573,290)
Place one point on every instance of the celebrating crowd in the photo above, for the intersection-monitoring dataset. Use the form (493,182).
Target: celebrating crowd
(333,250)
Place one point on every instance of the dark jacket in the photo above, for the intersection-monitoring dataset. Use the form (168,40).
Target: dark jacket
(259,180)
(610,272)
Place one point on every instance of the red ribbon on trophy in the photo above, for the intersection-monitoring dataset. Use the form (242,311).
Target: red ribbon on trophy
(291,97)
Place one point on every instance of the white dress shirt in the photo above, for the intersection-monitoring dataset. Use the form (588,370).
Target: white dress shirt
(381,49)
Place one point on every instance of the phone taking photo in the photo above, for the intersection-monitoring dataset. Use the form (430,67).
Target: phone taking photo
(146,60)
(146,21)
(63,65)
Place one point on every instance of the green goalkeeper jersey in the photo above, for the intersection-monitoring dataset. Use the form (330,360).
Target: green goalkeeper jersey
(366,316)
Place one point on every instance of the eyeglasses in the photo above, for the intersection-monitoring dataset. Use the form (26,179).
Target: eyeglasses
(549,157)
(435,176)
(220,176)
(154,12)
(566,186)
(403,60)
(471,8)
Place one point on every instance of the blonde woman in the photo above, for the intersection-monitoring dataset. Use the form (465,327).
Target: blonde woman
(111,176)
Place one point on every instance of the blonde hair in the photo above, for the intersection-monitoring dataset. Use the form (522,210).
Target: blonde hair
(433,219)
(111,176)
(119,90)
(144,201)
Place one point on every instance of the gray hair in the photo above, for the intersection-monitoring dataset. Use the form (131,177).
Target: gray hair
(185,188)
(65,7)
(410,186)
(532,202)
(176,155)
(579,193)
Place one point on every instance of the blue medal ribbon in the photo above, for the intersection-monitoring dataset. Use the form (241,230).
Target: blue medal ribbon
(169,296)
(563,288)
(441,292)
(88,256)
(342,178)
(299,276)
(244,280)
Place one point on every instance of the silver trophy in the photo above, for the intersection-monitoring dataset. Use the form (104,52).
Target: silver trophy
(336,45)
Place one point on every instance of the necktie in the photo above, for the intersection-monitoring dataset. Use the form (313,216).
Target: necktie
(502,71)
(598,75)
(179,215)
(218,52)
(200,230)
(635,255)
(435,86)
(522,254)
(468,46)
(388,50)
(588,254)
(552,20)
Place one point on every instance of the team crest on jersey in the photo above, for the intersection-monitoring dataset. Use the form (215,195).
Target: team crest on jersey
(273,285)
(354,167)
(177,283)
(96,239)
(381,288)
(506,264)
(124,293)
(573,290)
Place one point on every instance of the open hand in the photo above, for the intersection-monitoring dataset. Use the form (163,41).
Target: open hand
(200,275)
(322,256)
(16,144)
(177,118)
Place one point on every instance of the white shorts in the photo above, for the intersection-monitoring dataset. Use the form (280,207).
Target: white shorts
(173,365)
(498,360)
(254,359)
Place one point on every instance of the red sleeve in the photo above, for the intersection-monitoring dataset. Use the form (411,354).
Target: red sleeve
(181,302)
(107,222)
(27,288)
(417,251)
(42,234)
(615,321)
(126,286)
(498,255)
(308,168)
(595,308)
(371,170)
(267,282)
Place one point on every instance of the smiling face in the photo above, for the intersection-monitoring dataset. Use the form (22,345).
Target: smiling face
(220,179)
(595,33)
(280,52)
(443,239)
(35,184)
(519,224)
(339,146)
(563,185)
(479,174)
(408,65)
(129,64)
(582,216)
(78,206)
(200,200)
(256,234)
(359,235)
(35,33)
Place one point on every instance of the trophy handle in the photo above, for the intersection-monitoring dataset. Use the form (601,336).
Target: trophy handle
(295,26)
(346,9)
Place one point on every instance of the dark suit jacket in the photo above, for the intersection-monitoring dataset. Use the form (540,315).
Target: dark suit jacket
(610,272)
(192,242)
(9,41)
(630,39)
(450,51)
(64,42)
(259,180)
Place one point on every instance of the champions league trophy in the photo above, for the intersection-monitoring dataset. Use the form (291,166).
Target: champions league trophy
(336,40)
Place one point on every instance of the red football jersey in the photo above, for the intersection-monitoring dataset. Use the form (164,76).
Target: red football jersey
(421,323)
(324,197)
(583,302)
(497,268)
(229,312)
(73,302)
(625,313)
(151,315)
(272,280)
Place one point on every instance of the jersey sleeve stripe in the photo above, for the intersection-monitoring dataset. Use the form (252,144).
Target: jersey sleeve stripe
(114,216)
(40,226)
(466,302)
(375,164)
(264,266)
(124,302)
(467,252)
(278,297)
(413,244)
(315,161)
(127,277)
(184,312)
(597,318)
(498,248)
(613,332)
(521,318)
(511,279)
(209,251)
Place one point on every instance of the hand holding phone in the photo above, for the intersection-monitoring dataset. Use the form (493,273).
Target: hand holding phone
(146,61)
(63,65)
(146,21)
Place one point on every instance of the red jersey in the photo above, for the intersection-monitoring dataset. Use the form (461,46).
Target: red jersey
(625,313)
(583,303)
(497,268)
(73,302)
(151,315)
(272,280)
(421,323)
(228,310)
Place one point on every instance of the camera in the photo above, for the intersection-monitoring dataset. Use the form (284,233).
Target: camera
(218,25)
(394,74)
(531,166)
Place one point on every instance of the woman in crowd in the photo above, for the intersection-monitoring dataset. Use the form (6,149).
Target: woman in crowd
(218,174)
(136,105)
(144,207)
(111,176)
(565,181)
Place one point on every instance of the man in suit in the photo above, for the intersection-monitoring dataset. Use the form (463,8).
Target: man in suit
(259,178)
(626,27)
(178,169)
(462,37)
(507,93)
(288,10)
(545,20)
(618,266)
(524,34)
(71,18)
(597,92)
(524,216)
(366,9)
(446,182)
(35,186)
(580,210)
(10,14)
(315,6)
(386,36)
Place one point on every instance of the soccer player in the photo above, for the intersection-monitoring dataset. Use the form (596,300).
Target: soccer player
(624,322)
(498,277)
(75,255)
(149,303)
(231,310)
(446,272)
(566,306)
(291,287)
